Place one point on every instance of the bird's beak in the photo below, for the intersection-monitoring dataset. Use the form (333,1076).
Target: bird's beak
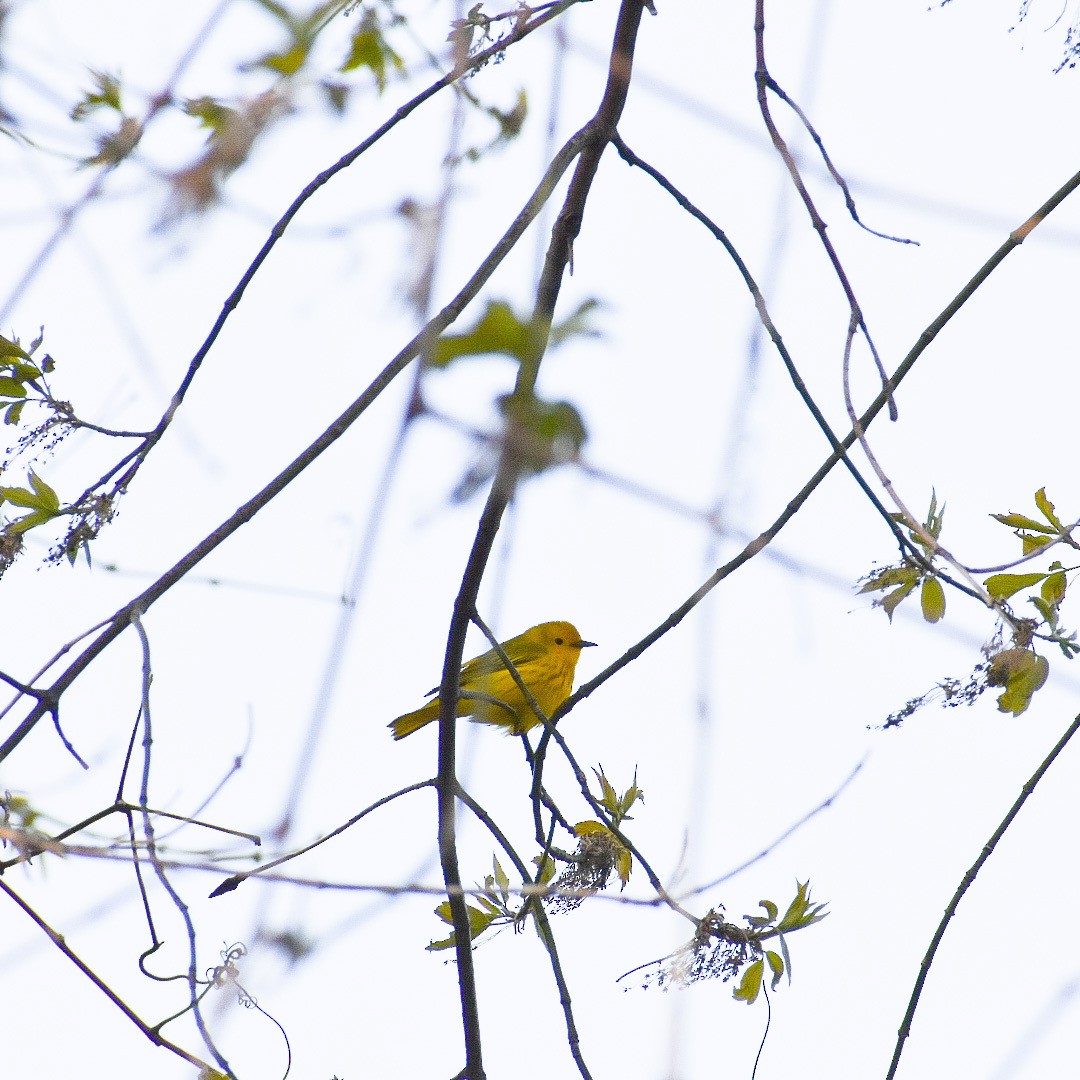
(585,645)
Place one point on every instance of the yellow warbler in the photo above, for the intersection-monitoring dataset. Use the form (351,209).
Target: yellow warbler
(545,657)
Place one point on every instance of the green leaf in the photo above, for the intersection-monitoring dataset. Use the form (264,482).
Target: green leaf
(105,96)
(893,575)
(498,330)
(209,111)
(1019,521)
(787,957)
(1047,508)
(776,964)
(894,599)
(12,348)
(609,799)
(501,879)
(479,921)
(1022,672)
(47,498)
(801,912)
(19,496)
(289,61)
(576,324)
(935,518)
(933,600)
(1047,611)
(30,521)
(1034,543)
(25,372)
(14,412)
(11,388)
(1002,586)
(370,49)
(750,985)
(547,868)
(545,433)
(1053,588)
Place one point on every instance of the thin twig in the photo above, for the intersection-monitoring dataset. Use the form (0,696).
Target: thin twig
(231,883)
(965,884)
(58,940)
(838,178)
(543,925)
(766,82)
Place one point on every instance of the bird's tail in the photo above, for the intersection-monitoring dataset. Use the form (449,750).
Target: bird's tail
(414,721)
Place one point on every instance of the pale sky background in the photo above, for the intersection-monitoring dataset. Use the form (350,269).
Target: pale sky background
(951,130)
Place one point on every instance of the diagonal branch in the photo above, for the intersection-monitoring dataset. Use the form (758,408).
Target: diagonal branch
(965,884)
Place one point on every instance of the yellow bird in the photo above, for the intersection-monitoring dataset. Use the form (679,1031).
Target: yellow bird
(545,657)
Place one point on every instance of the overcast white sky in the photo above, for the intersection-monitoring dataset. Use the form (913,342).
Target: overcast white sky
(950,130)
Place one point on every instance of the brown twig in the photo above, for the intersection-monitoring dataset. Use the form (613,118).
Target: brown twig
(592,140)
(766,82)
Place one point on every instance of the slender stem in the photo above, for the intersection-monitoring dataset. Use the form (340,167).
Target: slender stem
(965,884)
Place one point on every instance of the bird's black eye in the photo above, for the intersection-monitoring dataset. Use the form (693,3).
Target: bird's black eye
(558,641)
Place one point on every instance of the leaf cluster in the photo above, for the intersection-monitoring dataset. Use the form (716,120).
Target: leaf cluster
(1017,668)
(723,950)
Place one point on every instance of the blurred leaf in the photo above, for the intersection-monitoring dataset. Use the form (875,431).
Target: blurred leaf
(210,111)
(301,33)
(105,95)
(498,330)
(542,433)
(576,324)
(511,122)
(337,94)
(370,49)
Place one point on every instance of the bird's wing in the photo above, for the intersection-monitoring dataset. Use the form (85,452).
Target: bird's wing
(520,651)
